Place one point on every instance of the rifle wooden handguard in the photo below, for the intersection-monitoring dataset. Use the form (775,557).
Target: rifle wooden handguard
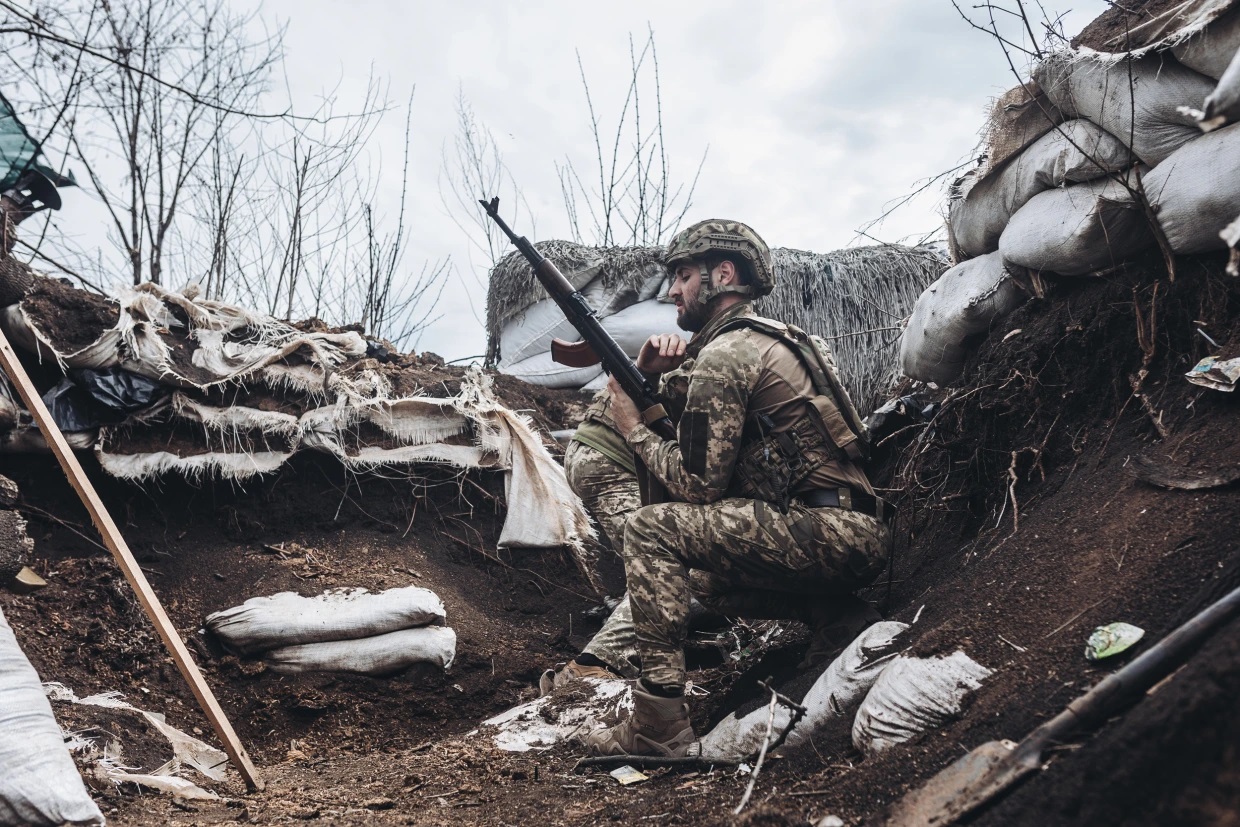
(573,354)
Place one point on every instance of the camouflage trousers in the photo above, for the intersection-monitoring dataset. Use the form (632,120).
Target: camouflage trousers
(608,491)
(610,494)
(749,560)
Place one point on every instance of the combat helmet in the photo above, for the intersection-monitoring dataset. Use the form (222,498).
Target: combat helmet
(721,237)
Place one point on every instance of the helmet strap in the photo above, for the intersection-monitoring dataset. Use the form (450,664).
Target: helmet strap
(709,291)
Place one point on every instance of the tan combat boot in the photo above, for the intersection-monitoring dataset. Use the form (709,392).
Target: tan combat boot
(552,680)
(658,726)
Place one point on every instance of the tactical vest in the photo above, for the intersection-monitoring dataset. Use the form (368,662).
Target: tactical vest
(833,409)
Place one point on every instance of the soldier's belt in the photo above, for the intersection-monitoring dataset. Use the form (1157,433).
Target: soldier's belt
(846,498)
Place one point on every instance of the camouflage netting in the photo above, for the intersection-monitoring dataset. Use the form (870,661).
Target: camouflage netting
(853,298)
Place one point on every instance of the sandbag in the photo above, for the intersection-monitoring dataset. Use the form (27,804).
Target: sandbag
(1210,50)
(1145,113)
(1223,105)
(1078,229)
(287,618)
(837,693)
(963,303)
(545,371)
(378,655)
(1076,151)
(912,696)
(1196,191)
(630,327)
(39,783)
(530,331)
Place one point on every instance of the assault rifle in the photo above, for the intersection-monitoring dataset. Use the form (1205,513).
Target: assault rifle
(596,344)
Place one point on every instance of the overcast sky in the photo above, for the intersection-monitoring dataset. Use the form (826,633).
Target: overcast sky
(817,114)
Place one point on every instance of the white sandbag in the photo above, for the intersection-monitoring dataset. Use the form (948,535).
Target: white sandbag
(630,327)
(1078,229)
(545,371)
(287,618)
(378,655)
(531,331)
(633,325)
(1210,50)
(964,302)
(914,695)
(39,783)
(1075,151)
(837,693)
(1145,111)
(1223,105)
(1196,191)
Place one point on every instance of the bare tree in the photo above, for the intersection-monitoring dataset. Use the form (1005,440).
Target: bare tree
(635,199)
(158,101)
(474,168)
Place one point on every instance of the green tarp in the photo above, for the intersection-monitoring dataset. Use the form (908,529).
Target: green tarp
(19,151)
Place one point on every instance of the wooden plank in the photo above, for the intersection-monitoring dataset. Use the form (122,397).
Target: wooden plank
(129,566)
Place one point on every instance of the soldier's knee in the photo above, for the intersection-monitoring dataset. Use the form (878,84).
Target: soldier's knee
(649,528)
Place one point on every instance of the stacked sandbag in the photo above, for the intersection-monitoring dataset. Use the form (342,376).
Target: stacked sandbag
(1073,152)
(39,783)
(1139,100)
(838,692)
(1196,191)
(1223,105)
(1078,229)
(959,307)
(1084,197)
(341,630)
(1211,48)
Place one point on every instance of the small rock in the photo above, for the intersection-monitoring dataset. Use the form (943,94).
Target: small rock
(304,813)
(379,804)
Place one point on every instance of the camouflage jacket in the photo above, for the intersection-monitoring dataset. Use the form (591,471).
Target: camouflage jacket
(725,377)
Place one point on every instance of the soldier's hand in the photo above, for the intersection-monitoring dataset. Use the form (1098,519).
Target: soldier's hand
(623,412)
(661,352)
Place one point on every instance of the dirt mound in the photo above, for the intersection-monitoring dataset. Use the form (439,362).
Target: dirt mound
(1112,31)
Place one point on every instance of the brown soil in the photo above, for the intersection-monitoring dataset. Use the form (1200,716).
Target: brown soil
(70,318)
(1014,571)
(1111,30)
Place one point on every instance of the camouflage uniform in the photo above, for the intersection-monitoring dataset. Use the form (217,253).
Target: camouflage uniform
(753,559)
(600,470)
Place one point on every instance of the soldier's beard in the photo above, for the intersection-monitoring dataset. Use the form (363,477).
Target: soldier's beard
(692,316)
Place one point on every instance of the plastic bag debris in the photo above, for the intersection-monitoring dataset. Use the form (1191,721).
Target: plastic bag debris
(1112,639)
(542,723)
(88,398)
(186,749)
(1215,374)
(71,407)
(119,390)
(627,775)
(912,696)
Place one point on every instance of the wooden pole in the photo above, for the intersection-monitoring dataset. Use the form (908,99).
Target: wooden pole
(129,566)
